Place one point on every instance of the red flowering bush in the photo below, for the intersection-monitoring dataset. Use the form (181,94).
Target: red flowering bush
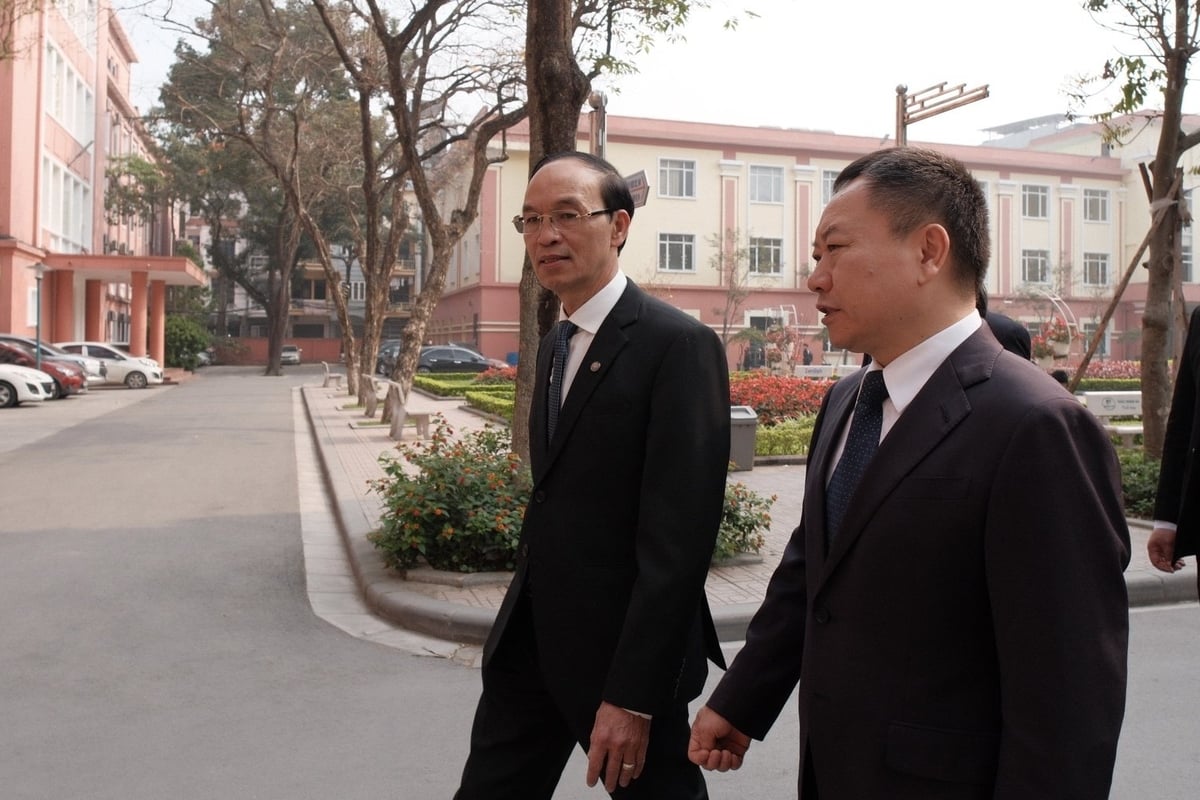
(1114,369)
(777,397)
(497,375)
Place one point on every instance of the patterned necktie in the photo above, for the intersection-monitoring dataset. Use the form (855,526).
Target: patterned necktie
(861,443)
(562,341)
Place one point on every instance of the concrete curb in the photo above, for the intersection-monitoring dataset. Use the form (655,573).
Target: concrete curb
(395,599)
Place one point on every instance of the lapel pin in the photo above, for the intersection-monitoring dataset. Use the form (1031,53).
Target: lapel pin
(595,367)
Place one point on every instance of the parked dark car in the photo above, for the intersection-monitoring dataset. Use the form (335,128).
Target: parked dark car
(69,377)
(385,359)
(451,358)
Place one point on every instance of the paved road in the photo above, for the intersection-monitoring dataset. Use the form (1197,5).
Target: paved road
(157,638)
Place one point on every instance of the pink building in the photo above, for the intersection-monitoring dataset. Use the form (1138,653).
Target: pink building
(65,116)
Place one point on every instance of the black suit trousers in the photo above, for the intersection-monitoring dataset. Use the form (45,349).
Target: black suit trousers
(522,737)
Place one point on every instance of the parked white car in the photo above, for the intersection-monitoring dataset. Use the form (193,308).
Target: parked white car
(136,372)
(289,354)
(23,385)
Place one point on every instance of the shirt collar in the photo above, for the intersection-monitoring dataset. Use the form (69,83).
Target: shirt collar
(908,372)
(591,315)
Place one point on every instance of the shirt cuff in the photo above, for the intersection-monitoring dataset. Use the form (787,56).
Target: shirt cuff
(638,713)
(1170,526)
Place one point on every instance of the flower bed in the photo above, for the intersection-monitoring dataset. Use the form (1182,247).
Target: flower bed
(777,397)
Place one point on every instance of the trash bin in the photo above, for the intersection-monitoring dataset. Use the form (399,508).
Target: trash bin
(743,424)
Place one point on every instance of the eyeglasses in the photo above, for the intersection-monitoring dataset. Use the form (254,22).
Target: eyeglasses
(561,221)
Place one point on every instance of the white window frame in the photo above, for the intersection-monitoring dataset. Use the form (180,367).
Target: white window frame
(1035,201)
(1039,259)
(766,184)
(1095,205)
(676,252)
(1094,263)
(676,178)
(828,179)
(761,246)
(1088,329)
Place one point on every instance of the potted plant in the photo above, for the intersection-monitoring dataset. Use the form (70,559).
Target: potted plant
(1043,350)
(1058,335)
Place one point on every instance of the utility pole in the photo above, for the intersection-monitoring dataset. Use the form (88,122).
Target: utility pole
(930,102)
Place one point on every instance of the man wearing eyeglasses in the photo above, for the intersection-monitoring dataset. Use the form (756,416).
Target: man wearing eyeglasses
(604,633)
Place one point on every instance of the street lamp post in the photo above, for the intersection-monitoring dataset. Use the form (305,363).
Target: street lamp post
(39,270)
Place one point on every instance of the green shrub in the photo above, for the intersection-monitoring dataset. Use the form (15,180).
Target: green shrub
(462,509)
(457,502)
(786,438)
(183,338)
(499,404)
(448,384)
(744,521)
(1139,482)
(1110,385)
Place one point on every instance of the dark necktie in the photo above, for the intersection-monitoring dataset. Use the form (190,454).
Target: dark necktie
(861,443)
(562,340)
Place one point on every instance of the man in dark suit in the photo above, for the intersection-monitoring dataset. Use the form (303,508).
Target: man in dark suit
(1177,507)
(960,630)
(605,631)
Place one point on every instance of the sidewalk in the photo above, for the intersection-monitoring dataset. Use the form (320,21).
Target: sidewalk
(461,608)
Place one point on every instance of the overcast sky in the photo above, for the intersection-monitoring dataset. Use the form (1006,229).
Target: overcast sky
(819,65)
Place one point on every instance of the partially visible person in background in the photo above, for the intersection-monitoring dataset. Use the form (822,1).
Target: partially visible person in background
(1177,508)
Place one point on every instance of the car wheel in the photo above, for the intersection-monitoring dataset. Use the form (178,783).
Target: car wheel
(135,380)
(57,393)
(423,370)
(8,395)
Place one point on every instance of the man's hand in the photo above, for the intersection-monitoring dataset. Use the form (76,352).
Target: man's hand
(618,747)
(1161,547)
(716,744)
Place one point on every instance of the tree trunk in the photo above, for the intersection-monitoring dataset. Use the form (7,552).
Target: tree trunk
(557,92)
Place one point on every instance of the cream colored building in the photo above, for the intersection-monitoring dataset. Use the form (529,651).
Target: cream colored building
(1066,214)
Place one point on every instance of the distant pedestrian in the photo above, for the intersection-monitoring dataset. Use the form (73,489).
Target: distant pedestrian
(605,632)
(1177,508)
(807,358)
(953,635)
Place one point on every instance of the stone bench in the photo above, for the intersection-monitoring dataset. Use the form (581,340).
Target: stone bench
(1107,405)
(332,378)
(398,414)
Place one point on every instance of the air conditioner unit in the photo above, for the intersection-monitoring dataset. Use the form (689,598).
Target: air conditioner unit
(122,248)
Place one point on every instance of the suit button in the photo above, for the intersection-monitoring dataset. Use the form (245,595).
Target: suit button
(821,615)
(539,496)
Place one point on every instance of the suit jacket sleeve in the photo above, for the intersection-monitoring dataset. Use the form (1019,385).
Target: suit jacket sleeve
(1059,606)
(764,673)
(1178,470)
(680,502)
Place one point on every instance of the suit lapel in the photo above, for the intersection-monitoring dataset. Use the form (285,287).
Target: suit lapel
(597,361)
(937,410)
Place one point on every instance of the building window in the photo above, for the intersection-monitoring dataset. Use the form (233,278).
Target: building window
(676,252)
(676,178)
(66,208)
(1035,202)
(1095,205)
(1186,259)
(828,178)
(766,256)
(766,184)
(1095,269)
(358,291)
(1035,266)
(1089,330)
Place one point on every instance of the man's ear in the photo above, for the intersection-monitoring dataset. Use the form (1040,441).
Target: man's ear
(620,230)
(934,242)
